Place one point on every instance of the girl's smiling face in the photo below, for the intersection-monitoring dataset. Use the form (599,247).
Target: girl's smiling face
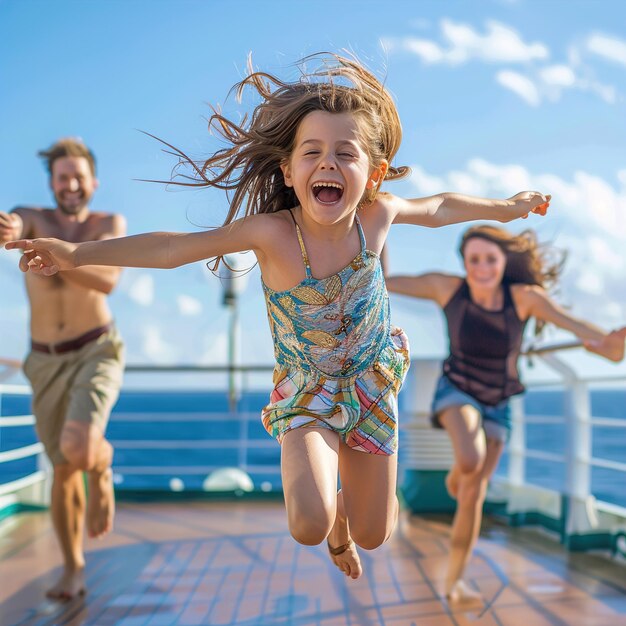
(328,168)
(485,263)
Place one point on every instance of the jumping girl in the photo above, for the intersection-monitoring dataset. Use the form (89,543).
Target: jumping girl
(305,170)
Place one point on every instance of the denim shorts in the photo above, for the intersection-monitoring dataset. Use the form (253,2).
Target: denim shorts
(496,420)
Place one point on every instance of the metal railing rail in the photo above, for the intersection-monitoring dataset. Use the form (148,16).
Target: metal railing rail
(577,418)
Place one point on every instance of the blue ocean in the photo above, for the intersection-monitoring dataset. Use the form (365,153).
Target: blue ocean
(175,440)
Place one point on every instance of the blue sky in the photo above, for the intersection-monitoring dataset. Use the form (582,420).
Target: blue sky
(494,96)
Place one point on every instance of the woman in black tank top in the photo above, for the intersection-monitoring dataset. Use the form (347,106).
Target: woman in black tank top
(486,313)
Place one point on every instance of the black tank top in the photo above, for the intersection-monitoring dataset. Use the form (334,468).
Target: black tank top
(484,347)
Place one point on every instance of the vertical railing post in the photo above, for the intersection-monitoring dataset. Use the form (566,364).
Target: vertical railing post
(579,446)
(517,444)
(580,514)
(233,356)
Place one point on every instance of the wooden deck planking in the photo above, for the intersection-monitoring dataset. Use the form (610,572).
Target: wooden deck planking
(234,563)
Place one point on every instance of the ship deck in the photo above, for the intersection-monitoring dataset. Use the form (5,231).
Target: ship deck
(233,563)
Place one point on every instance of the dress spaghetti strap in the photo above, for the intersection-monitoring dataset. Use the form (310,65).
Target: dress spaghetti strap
(305,256)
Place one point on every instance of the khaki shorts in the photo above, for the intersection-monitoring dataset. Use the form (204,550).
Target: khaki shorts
(80,386)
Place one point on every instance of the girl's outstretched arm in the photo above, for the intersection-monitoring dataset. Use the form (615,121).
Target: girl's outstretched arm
(157,250)
(610,345)
(452,208)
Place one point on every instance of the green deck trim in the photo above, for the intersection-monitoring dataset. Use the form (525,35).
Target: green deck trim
(424,491)
(18,507)
(591,541)
(165,495)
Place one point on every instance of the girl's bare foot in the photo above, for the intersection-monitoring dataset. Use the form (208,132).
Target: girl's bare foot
(100,503)
(461,593)
(346,558)
(69,586)
(342,550)
(452,482)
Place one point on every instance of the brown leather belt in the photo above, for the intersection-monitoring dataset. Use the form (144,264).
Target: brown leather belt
(71,344)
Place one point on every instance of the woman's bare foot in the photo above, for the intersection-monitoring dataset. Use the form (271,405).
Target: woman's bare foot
(452,482)
(100,503)
(69,586)
(461,593)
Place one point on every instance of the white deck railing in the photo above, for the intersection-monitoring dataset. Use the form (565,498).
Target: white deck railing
(422,447)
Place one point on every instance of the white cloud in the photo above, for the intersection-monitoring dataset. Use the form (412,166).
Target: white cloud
(427,184)
(549,83)
(520,85)
(610,48)
(557,75)
(500,44)
(608,93)
(590,282)
(603,256)
(462,43)
(428,51)
(513,177)
(216,349)
(586,219)
(595,205)
(188,305)
(141,290)
(154,347)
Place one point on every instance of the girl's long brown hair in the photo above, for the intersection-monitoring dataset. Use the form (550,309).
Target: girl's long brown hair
(527,261)
(248,169)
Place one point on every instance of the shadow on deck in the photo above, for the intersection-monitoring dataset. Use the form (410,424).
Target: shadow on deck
(234,563)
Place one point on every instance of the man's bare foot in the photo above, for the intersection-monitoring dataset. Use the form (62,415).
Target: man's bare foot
(343,552)
(452,482)
(461,593)
(69,586)
(100,503)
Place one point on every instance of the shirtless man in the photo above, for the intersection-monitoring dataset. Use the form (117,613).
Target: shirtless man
(76,361)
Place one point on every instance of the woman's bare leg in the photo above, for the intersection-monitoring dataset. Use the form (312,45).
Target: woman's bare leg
(472,489)
(463,425)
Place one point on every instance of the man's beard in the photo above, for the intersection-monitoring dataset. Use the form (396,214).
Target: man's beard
(72,209)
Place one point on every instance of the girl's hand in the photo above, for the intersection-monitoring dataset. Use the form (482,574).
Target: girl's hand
(611,346)
(10,226)
(45,256)
(531,202)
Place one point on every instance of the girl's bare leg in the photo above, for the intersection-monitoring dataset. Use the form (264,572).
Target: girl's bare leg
(342,549)
(367,508)
(309,465)
(364,511)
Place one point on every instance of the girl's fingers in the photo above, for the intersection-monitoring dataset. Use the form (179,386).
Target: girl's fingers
(22,244)
(541,209)
(25,260)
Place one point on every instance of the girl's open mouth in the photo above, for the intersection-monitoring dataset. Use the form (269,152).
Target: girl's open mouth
(327,192)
